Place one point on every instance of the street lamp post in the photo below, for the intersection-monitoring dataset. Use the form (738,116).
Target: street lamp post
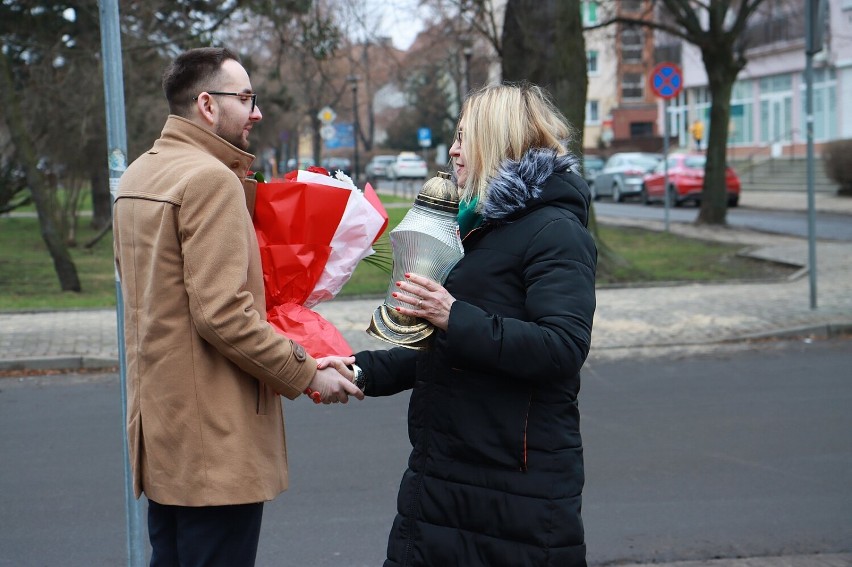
(468,53)
(353,80)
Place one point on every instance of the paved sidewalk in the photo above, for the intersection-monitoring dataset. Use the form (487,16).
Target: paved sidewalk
(796,201)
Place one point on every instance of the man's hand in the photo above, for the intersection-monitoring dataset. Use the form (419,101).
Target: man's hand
(334,387)
(340,363)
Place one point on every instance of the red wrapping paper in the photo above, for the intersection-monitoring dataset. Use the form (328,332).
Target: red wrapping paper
(295,223)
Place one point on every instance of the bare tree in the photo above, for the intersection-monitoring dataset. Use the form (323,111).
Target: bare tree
(51,83)
(64,265)
(719,29)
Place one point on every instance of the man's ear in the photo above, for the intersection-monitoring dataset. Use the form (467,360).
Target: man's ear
(206,107)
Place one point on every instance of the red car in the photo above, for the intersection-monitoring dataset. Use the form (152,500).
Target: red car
(686,179)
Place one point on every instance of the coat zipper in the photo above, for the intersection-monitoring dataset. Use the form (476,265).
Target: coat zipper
(526,423)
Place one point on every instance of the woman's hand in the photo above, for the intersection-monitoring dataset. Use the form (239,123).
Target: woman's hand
(428,300)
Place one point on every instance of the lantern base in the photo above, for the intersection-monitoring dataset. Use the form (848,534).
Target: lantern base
(389,325)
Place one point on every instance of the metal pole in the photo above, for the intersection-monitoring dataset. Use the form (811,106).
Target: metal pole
(468,53)
(809,114)
(666,161)
(355,124)
(117,160)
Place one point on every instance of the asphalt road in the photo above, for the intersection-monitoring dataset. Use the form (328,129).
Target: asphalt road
(734,454)
(828,225)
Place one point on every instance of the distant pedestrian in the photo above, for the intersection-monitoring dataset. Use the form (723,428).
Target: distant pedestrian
(697,131)
(204,368)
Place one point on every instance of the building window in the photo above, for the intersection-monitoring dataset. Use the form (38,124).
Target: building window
(589,11)
(825,104)
(742,109)
(632,86)
(592,62)
(641,129)
(781,25)
(631,6)
(776,109)
(632,40)
(592,112)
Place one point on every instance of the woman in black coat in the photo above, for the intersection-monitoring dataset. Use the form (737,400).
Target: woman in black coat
(496,471)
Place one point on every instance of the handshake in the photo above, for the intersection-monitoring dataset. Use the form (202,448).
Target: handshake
(334,381)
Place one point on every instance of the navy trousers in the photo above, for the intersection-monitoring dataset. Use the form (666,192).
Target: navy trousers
(209,536)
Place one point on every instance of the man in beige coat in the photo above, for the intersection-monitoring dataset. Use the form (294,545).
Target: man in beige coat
(204,368)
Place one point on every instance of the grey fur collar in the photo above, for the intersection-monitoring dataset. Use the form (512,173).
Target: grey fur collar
(519,182)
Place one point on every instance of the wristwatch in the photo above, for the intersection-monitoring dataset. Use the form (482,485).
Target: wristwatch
(360,379)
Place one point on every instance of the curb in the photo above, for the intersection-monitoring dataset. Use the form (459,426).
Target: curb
(814,560)
(829,331)
(69,363)
(77,363)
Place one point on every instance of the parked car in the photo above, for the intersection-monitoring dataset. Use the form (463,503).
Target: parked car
(592,165)
(685,181)
(408,164)
(303,163)
(378,166)
(333,164)
(622,175)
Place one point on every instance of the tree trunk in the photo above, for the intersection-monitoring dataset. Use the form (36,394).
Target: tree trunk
(721,74)
(44,202)
(714,194)
(541,42)
(99,178)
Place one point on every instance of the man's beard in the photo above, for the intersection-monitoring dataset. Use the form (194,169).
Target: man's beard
(233,138)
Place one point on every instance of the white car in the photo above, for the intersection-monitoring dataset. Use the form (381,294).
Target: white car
(378,166)
(408,165)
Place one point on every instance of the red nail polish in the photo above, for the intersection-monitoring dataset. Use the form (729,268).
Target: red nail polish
(398,284)
(397,308)
(408,275)
(394,294)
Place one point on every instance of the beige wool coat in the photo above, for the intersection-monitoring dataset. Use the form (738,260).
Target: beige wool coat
(204,368)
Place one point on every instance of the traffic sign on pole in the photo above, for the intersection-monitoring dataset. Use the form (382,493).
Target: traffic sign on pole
(666,80)
(424,137)
(326,115)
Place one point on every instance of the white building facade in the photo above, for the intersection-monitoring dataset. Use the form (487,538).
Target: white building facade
(768,102)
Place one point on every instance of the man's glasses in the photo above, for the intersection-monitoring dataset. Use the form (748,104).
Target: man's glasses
(243,97)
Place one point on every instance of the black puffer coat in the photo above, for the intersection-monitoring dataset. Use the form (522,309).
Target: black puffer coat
(496,471)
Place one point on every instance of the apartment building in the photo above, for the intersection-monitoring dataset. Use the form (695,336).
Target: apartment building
(768,102)
(768,115)
(621,110)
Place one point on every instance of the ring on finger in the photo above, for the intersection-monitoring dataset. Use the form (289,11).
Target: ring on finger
(420,303)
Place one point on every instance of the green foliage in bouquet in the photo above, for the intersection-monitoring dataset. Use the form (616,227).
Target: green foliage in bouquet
(383,257)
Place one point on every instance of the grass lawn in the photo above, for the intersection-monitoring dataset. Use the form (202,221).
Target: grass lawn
(28,280)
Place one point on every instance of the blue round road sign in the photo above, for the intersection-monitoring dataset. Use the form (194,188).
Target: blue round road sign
(666,80)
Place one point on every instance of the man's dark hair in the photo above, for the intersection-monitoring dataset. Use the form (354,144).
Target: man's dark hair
(193,72)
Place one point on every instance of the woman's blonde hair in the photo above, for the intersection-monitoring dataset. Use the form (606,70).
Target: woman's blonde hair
(500,122)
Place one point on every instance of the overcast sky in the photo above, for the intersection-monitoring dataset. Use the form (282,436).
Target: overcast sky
(400,20)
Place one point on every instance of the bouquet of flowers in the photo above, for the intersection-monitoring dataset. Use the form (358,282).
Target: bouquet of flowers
(313,230)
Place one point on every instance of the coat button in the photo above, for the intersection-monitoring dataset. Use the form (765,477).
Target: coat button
(299,352)
(235,165)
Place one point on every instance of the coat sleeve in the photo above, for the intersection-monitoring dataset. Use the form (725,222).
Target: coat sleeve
(558,272)
(388,372)
(218,244)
